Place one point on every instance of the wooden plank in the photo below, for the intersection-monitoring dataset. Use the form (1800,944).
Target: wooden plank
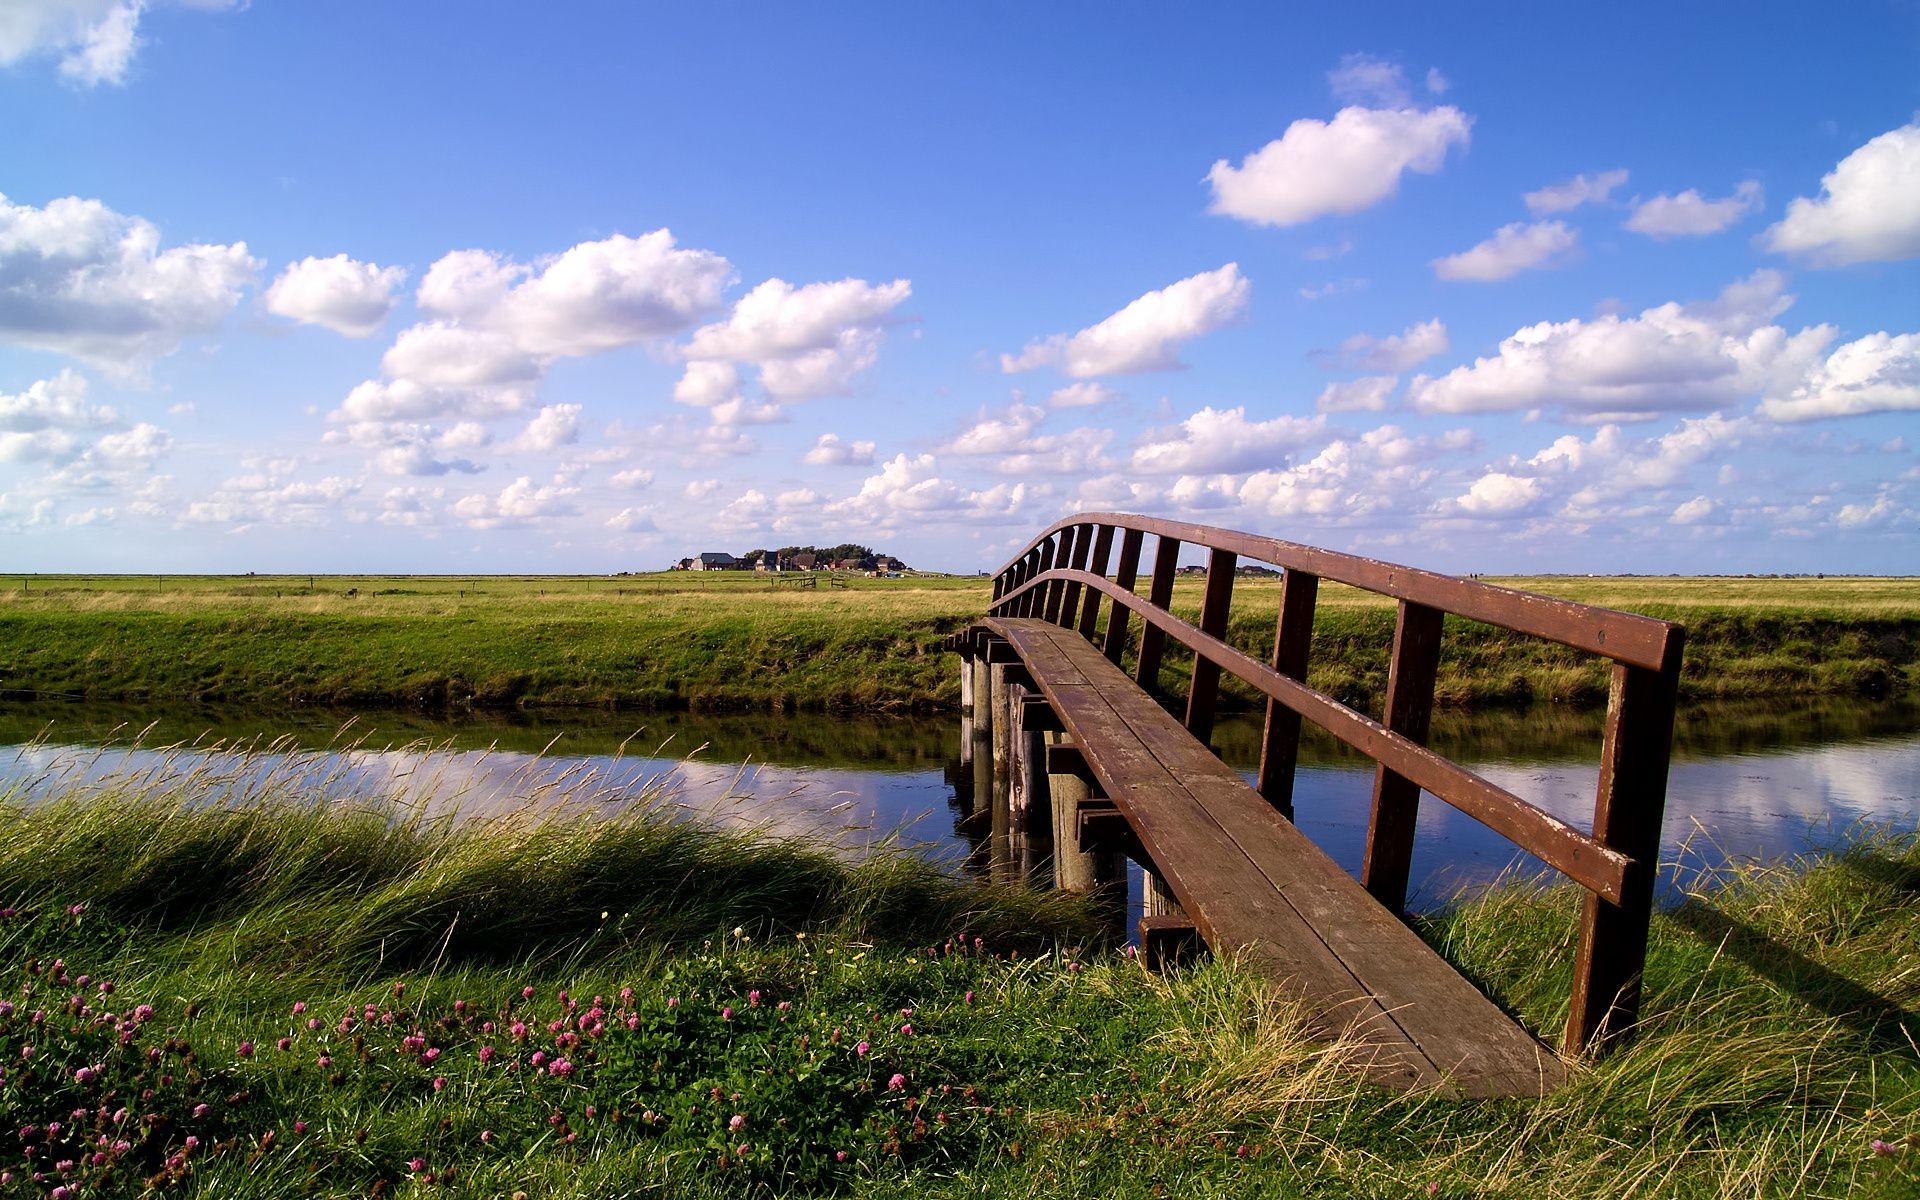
(1458,1033)
(1280,739)
(1208,873)
(1396,799)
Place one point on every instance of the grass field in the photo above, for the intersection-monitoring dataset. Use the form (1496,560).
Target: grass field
(304,1000)
(732,640)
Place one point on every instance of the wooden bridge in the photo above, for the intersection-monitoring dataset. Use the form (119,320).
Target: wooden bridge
(1062,680)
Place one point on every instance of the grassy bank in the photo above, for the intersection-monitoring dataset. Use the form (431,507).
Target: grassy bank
(306,1001)
(732,641)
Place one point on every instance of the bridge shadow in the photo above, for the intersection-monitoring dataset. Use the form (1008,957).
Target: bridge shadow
(1882,1024)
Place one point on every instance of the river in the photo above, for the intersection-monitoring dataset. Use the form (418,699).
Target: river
(1748,782)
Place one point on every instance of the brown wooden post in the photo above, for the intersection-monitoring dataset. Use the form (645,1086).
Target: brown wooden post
(1029,564)
(1627,813)
(1070,594)
(1396,799)
(1058,558)
(1042,563)
(1292,638)
(1204,690)
(1119,614)
(1153,639)
(1097,563)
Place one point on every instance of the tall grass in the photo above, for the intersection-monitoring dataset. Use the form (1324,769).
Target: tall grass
(879,1027)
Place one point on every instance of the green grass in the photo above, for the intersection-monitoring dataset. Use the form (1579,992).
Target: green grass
(1778,1049)
(724,641)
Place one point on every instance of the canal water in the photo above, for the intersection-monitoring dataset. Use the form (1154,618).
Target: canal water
(1748,782)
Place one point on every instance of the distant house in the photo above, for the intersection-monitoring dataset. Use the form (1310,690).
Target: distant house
(685,564)
(805,562)
(717,560)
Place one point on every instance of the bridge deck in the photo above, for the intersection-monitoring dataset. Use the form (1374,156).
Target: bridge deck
(1254,885)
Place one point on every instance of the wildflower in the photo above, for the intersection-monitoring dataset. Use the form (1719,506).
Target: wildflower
(284,1044)
(1883,1149)
(299,1128)
(907,1029)
(739,931)
(753,998)
(726,1014)
(487,1053)
(486,1135)
(839,1156)
(526,993)
(74,910)
(898,1082)
(439,1083)
(299,1006)
(539,1057)
(429,1055)
(969,998)
(738,1122)
(416,1165)
(673,1002)
(245,1050)
(861,1049)
(560,1067)
(199,1111)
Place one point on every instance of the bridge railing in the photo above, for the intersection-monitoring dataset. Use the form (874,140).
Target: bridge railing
(1066,573)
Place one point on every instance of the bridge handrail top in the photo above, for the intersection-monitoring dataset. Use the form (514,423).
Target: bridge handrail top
(1624,637)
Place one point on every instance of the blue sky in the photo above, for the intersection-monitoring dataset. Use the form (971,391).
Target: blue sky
(439,288)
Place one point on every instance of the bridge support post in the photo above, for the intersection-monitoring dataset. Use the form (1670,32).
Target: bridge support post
(1073,869)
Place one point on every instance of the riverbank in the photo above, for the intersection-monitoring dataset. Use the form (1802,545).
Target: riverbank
(734,641)
(336,1003)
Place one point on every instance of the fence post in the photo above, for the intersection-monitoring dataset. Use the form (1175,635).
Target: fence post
(1124,578)
(1292,638)
(1627,811)
(1097,563)
(1204,689)
(1153,639)
(1396,800)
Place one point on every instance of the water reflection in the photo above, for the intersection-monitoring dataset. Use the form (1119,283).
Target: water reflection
(1748,781)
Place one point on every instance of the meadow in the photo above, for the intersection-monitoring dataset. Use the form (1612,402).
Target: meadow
(287,997)
(733,641)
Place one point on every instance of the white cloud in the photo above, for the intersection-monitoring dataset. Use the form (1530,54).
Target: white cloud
(57,403)
(1367,394)
(1002,433)
(1363,79)
(632,520)
(95,39)
(1333,287)
(416,458)
(1436,82)
(1876,373)
(594,297)
(1353,479)
(1497,494)
(912,488)
(78,278)
(1572,193)
(556,425)
(1671,357)
(519,503)
(1691,215)
(1353,162)
(348,297)
(1692,512)
(634,479)
(1085,394)
(1512,249)
(1214,440)
(830,451)
(700,489)
(1146,334)
(264,500)
(1395,352)
(1868,210)
(708,384)
(1075,452)
(807,342)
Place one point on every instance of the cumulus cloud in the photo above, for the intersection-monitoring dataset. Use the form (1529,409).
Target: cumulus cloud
(634,479)
(1691,215)
(1512,249)
(1367,394)
(1671,357)
(346,296)
(261,499)
(911,487)
(1215,440)
(1383,471)
(1572,193)
(1868,210)
(1497,494)
(1395,352)
(1363,79)
(1877,373)
(632,520)
(1145,335)
(998,433)
(1318,168)
(519,503)
(1692,512)
(78,278)
(830,451)
(57,403)
(96,40)
(555,425)
(594,297)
